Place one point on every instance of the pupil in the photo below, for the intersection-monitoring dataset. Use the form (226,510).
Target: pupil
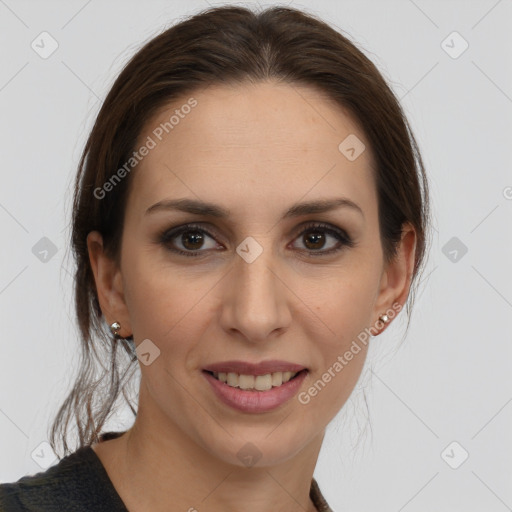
(317,239)
(196,238)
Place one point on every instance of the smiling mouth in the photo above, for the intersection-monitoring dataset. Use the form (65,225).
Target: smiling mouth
(255,382)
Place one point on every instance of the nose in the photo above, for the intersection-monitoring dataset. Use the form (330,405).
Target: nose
(255,299)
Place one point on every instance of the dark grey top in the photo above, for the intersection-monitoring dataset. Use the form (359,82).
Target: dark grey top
(80,483)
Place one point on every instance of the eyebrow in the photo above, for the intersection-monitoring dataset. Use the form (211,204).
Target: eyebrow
(213,210)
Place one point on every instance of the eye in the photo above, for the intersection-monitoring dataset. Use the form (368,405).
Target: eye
(318,233)
(192,238)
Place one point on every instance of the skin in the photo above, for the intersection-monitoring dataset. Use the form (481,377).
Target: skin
(255,149)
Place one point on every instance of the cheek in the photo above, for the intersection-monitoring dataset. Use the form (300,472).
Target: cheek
(342,312)
(158,295)
(338,356)
(170,309)
(340,303)
(343,349)
(168,312)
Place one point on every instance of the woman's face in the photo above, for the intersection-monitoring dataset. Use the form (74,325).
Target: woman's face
(253,288)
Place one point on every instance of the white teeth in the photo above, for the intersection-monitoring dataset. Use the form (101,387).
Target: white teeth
(277,378)
(246,381)
(259,382)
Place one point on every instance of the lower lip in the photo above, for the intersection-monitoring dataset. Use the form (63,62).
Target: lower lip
(255,401)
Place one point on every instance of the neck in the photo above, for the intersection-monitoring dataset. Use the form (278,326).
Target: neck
(156,465)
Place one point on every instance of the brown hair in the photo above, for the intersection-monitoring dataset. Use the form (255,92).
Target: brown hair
(219,45)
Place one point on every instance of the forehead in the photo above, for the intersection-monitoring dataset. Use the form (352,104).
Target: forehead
(251,144)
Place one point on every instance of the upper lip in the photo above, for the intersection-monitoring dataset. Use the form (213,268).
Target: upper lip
(247,368)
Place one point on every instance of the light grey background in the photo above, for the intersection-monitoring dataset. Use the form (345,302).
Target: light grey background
(450,381)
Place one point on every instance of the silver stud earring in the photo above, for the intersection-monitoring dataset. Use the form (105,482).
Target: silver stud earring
(115,327)
(127,342)
(384,318)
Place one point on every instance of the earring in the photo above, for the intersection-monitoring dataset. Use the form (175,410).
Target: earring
(128,342)
(114,328)
(384,318)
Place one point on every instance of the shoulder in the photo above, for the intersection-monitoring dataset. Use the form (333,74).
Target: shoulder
(78,483)
(318,498)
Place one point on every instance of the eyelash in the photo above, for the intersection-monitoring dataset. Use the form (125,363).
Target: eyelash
(342,237)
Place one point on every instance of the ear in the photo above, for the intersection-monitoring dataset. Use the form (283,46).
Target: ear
(396,277)
(109,284)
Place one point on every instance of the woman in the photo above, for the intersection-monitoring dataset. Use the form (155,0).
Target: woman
(250,208)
